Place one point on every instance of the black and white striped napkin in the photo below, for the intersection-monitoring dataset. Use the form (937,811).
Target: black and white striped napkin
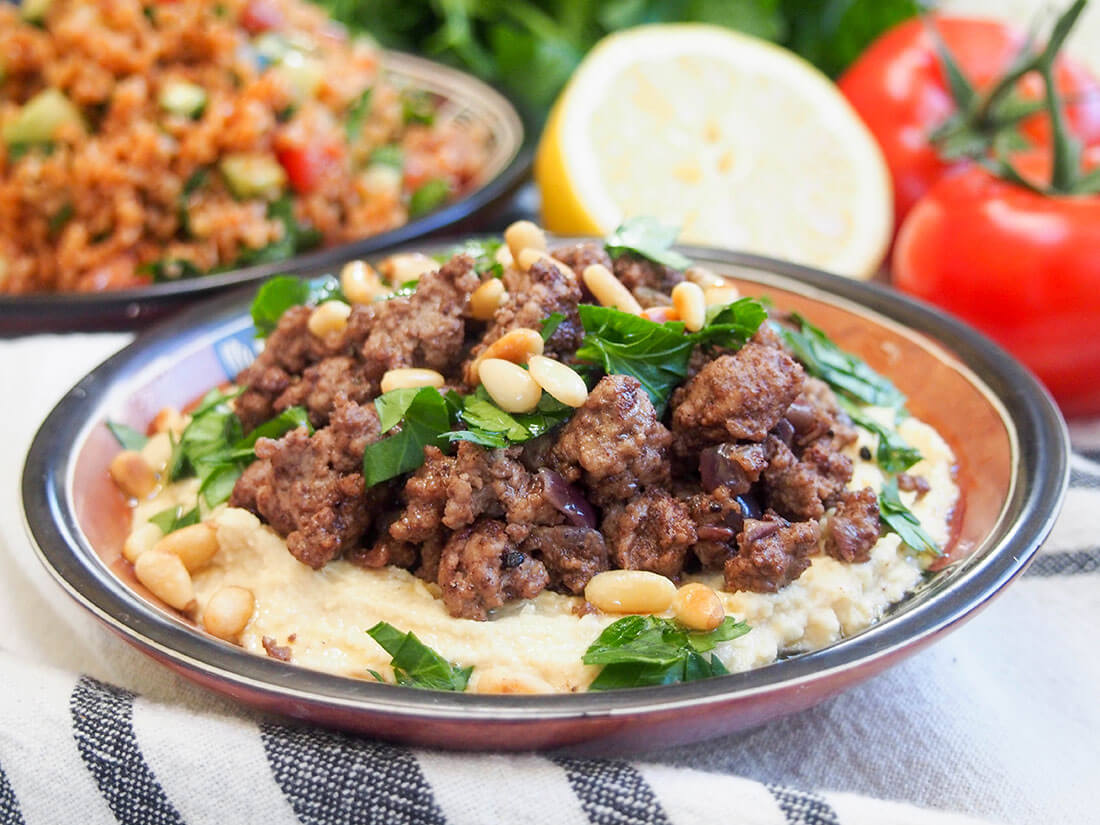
(998,720)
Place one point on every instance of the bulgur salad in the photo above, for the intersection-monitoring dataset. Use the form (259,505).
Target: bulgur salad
(143,141)
(528,470)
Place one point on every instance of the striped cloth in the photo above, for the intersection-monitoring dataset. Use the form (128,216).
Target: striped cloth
(999,720)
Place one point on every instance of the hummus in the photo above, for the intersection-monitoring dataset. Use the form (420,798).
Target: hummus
(536,645)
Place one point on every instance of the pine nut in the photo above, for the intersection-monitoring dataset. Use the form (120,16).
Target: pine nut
(660,315)
(630,591)
(166,578)
(719,296)
(529,257)
(407,378)
(510,386)
(487,299)
(703,277)
(524,235)
(516,346)
(406,266)
(698,607)
(132,474)
(690,305)
(194,545)
(169,420)
(228,612)
(329,317)
(559,380)
(609,290)
(504,257)
(360,283)
(142,539)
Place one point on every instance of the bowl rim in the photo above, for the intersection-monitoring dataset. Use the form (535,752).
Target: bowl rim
(1040,478)
(516,161)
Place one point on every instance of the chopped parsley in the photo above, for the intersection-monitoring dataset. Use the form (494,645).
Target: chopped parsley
(893,453)
(483,251)
(649,238)
(901,520)
(174,518)
(490,426)
(424,416)
(126,436)
(279,294)
(389,154)
(415,664)
(637,651)
(357,115)
(428,196)
(550,325)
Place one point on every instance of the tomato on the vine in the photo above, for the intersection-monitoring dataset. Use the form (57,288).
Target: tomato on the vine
(899,88)
(1021,265)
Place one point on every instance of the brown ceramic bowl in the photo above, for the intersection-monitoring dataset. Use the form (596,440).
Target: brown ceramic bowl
(1012,469)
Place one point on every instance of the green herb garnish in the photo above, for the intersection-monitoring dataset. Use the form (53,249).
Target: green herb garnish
(648,237)
(901,520)
(839,369)
(418,107)
(425,418)
(171,269)
(192,185)
(483,251)
(732,325)
(297,237)
(428,196)
(388,155)
(415,664)
(282,292)
(550,325)
(636,651)
(61,217)
(893,453)
(490,426)
(174,519)
(126,436)
(357,115)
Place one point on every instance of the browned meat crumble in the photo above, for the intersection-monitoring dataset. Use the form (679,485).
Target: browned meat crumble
(735,476)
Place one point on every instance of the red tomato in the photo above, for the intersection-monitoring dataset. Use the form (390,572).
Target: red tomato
(261,16)
(305,165)
(899,89)
(1022,267)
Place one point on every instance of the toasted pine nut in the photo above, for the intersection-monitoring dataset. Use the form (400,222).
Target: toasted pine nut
(169,419)
(609,290)
(529,257)
(703,277)
(194,545)
(524,235)
(166,578)
(132,474)
(510,386)
(660,314)
(228,612)
(406,266)
(690,305)
(630,591)
(516,346)
(559,380)
(410,377)
(502,680)
(698,607)
(142,539)
(504,257)
(487,299)
(719,296)
(360,283)
(329,317)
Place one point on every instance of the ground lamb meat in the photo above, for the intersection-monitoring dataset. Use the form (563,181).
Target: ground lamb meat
(322,383)
(635,271)
(913,484)
(801,488)
(480,569)
(614,443)
(718,518)
(734,466)
(310,489)
(854,528)
(815,415)
(386,551)
(572,555)
(263,383)
(773,553)
(579,257)
(425,329)
(495,483)
(652,532)
(737,397)
(425,497)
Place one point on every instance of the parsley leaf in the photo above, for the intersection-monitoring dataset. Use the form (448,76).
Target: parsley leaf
(282,292)
(624,344)
(425,418)
(428,196)
(649,650)
(648,237)
(297,237)
(900,519)
(388,154)
(174,519)
(893,453)
(357,115)
(550,325)
(732,325)
(126,436)
(839,369)
(417,665)
(490,426)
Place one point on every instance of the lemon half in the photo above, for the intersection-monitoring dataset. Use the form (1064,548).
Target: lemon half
(739,142)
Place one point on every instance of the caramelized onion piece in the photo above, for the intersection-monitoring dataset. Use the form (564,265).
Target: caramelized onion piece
(567,499)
